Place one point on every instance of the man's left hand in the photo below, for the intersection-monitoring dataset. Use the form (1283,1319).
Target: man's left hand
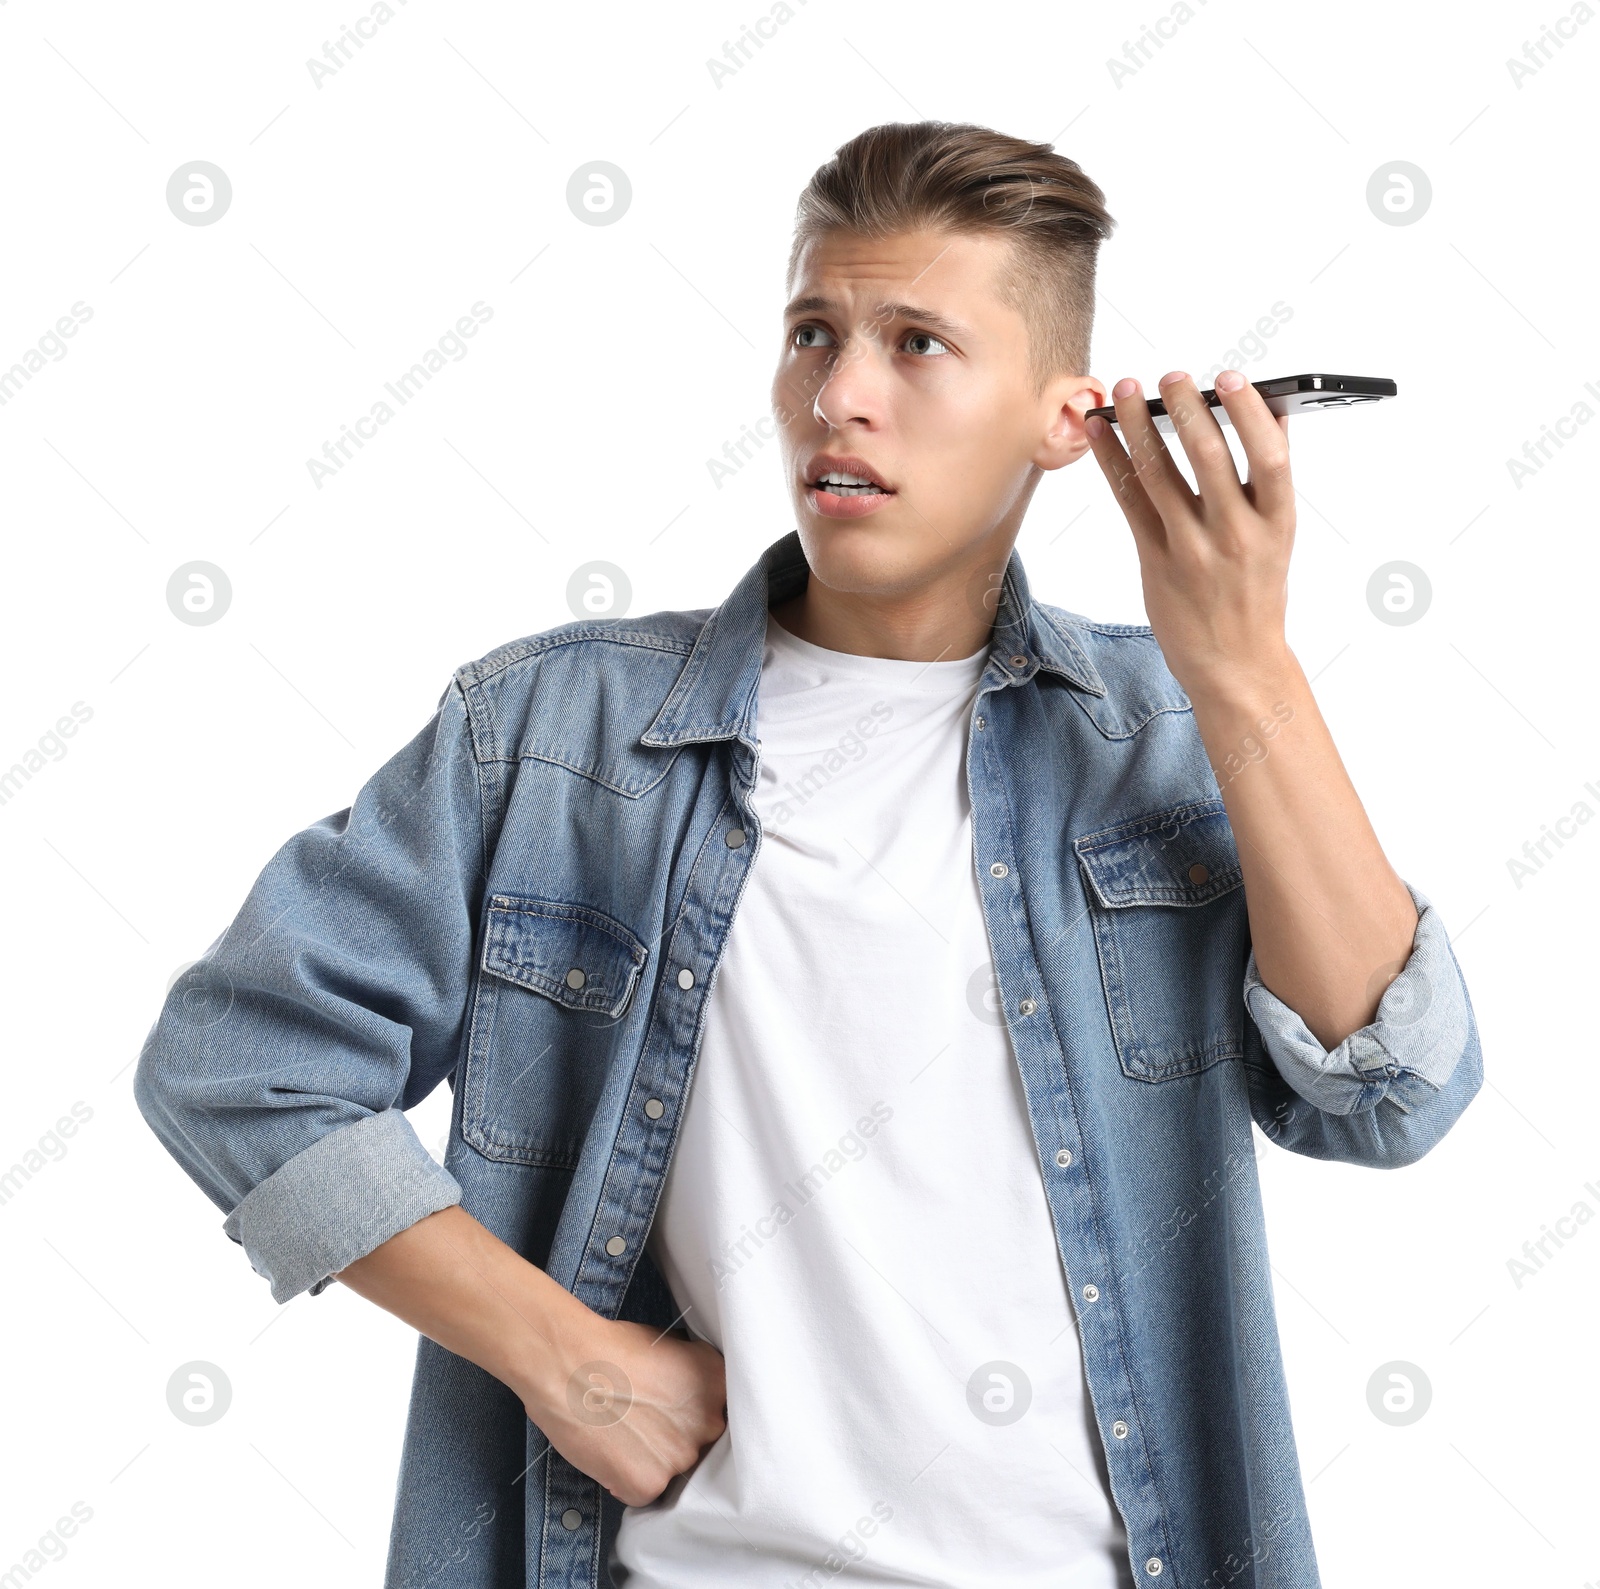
(1215,566)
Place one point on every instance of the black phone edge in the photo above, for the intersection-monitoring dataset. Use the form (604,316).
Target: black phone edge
(1281,386)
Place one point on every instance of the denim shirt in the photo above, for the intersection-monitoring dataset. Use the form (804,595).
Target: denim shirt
(530,900)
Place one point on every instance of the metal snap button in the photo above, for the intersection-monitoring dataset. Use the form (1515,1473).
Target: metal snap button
(734,838)
(999,869)
(1120,1429)
(1019,662)
(686,979)
(616,1246)
(1091,1293)
(654,1108)
(571,1518)
(1027,1007)
(575,978)
(1198,873)
(1064,1157)
(977,722)
(1153,1566)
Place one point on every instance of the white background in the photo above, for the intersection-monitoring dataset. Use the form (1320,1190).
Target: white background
(429,173)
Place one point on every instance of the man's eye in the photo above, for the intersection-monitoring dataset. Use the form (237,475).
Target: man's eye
(810,337)
(922,342)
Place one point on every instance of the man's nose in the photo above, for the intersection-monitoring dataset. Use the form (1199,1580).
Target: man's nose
(853,390)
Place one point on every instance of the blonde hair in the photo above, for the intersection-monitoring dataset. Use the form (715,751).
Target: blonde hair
(953,176)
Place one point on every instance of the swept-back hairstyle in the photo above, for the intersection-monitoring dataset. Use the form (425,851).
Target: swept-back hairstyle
(952,176)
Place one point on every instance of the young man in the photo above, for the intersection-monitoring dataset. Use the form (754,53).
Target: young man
(983,932)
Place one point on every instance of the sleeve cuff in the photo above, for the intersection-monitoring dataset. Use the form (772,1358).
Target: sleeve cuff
(337,1200)
(1421,1029)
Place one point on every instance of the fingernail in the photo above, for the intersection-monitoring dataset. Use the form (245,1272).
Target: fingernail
(1126,387)
(1096,428)
(1229,381)
(1175,375)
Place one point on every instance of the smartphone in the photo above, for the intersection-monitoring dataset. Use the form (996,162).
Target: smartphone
(1286,394)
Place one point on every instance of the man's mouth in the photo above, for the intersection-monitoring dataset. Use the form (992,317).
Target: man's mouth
(843,486)
(848,485)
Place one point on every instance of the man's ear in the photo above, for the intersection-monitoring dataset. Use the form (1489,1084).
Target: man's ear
(1064,403)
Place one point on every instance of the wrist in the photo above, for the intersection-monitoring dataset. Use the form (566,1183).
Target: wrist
(557,1335)
(1245,687)
(1243,715)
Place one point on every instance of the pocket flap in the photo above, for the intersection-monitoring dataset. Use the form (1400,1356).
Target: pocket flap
(1183,856)
(577,956)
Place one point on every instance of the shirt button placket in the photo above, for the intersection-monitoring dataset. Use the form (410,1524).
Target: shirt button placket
(1064,1158)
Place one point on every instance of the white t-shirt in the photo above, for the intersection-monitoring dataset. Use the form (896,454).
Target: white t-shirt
(855,1213)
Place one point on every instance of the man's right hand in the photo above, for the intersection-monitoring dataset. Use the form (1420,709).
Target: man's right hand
(624,1403)
(630,1406)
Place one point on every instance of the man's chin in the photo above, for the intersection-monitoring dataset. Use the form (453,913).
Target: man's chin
(879,554)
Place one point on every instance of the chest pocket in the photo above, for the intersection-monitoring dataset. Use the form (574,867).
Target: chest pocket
(1172,936)
(558,978)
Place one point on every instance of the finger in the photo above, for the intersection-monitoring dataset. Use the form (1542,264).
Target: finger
(1265,438)
(1158,474)
(1202,440)
(1123,479)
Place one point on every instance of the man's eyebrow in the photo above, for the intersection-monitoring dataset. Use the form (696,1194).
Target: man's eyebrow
(885,311)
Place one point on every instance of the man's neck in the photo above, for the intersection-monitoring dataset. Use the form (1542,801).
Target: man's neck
(947,619)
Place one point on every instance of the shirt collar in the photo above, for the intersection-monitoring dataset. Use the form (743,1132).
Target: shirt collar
(715,695)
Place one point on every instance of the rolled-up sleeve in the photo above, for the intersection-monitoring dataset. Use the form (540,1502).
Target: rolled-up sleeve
(1389,1091)
(280,1066)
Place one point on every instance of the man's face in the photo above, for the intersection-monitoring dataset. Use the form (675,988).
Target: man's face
(903,366)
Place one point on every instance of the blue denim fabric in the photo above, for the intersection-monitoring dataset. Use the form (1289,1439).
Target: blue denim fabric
(530,900)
